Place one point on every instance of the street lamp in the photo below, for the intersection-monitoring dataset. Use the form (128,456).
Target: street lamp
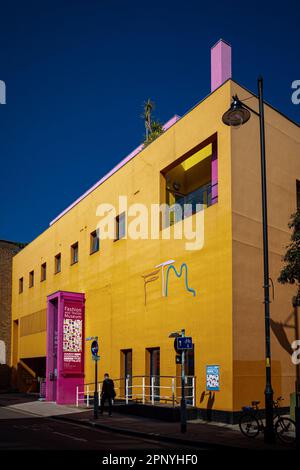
(238,114)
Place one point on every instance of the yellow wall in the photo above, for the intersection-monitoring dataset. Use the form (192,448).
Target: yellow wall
(283,169)
(111,278)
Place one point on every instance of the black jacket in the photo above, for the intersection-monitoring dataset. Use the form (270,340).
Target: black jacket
(108,388)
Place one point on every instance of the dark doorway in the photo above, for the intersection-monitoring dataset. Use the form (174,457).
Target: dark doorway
(154,368)
(126,369)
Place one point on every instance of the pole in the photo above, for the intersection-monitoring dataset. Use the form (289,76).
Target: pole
(183,402)
(297,382)
(297,414)
(269,436)
(96,395)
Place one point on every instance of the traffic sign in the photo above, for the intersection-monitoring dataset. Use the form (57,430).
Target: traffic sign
(94,348)
(183,343)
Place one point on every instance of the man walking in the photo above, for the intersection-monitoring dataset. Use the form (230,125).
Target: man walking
(107,393)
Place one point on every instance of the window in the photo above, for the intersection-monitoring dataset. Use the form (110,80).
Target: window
(74,253)
(31,279)
(190,183)
(57,263)
(43,271)
(298,194)
(21,285)
(120,226)
(94,242)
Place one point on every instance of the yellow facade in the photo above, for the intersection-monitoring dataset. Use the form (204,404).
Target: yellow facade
(225,318)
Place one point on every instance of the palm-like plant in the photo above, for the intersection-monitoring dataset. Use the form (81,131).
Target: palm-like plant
(153,127)
(148,108)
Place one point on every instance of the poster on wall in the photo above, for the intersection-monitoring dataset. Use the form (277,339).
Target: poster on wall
(212,378)
(72,338)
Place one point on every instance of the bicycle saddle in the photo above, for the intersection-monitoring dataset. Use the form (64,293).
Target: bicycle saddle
(255,403)
(247,408)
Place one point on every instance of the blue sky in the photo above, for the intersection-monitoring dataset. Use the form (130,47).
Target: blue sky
(77,73)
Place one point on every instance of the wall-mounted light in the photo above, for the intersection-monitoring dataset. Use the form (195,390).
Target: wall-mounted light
(176,186)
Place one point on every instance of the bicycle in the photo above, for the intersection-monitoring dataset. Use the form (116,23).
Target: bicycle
(251,423)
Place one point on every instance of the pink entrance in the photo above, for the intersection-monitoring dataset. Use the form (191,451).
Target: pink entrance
(65,346)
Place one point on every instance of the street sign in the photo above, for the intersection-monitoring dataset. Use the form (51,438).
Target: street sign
(178,359)
(183,343)
(94,348)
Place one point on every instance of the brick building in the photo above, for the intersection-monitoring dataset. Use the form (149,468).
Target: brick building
(7,250)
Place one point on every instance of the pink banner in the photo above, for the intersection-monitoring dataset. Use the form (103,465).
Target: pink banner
(73,331)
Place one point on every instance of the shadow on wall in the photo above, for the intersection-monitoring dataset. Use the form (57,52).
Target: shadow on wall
(209,404)
(25,377)
(280,330)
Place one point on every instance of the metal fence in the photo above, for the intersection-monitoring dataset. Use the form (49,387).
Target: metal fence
(143,389)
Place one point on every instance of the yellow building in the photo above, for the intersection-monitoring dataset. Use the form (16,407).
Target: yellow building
(197,158)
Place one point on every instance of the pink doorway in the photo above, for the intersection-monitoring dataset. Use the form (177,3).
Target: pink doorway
(65,346)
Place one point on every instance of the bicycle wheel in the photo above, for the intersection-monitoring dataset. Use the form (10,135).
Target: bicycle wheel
(249,425)
(285,429)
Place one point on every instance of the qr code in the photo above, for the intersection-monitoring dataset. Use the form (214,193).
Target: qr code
(72,335)
(212,381)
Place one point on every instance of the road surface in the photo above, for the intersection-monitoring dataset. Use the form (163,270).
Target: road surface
(19,430)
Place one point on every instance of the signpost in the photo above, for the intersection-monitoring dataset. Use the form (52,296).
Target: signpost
(95,357)
(94,349)
(182,343)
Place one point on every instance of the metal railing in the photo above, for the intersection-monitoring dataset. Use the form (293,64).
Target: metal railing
(145,389)
(189,204)
(200,195)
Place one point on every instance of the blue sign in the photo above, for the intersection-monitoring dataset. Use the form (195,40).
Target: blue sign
(94,348)
(183,343)
(213,378)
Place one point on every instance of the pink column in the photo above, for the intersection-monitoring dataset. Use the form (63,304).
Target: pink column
(214,172)
(65,346)
(220,64)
